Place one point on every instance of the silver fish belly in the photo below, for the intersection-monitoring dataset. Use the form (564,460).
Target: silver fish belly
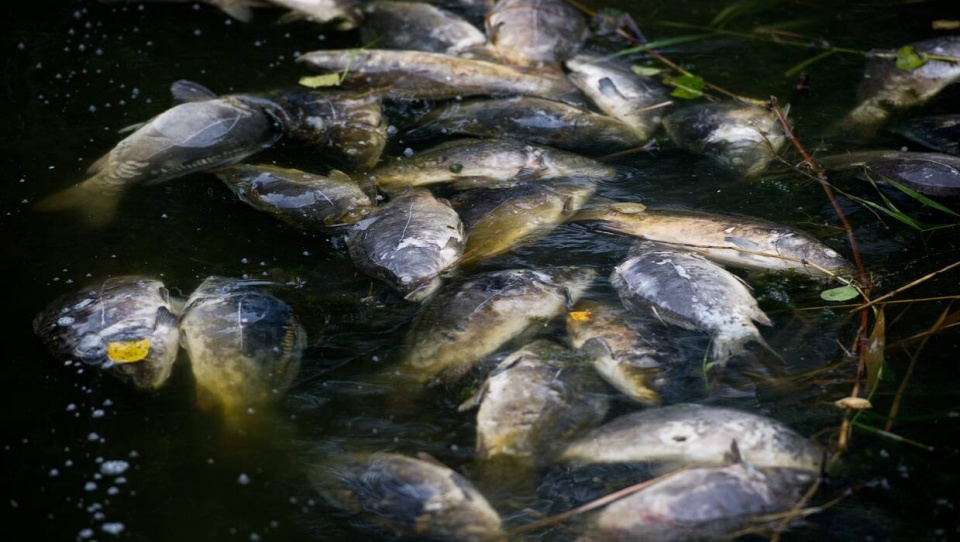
(417,26)
(529,32)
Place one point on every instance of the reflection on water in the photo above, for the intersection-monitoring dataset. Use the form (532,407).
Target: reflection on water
(86,458)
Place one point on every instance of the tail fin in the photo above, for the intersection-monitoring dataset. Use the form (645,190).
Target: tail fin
(98,206)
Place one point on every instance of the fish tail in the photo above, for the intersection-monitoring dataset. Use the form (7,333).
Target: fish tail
(98,206)
(727,345)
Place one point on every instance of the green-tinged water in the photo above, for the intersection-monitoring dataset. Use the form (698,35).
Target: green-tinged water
(75,72)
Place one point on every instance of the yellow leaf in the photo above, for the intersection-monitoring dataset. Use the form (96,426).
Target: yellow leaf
(856,403)
(128,352)
(581,316)
(325,80)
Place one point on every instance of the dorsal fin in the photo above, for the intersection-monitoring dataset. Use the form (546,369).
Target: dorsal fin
(733,457)
(184,91)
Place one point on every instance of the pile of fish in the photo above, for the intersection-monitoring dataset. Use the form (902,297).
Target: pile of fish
(520,114)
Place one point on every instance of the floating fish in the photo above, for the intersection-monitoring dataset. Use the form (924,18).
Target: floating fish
(408,243)
(296,197)
(340,14)
(126,326)
(472,319)
(500,219)
(940,133)
(929,173)
(744,139)
(407,497)
(417,26)
(729,239)
(244,344)
(686,434)
(532,32)
(687,290)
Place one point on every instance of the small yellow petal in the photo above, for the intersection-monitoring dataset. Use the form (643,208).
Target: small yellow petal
(581,316)
(856,403)
(128,352)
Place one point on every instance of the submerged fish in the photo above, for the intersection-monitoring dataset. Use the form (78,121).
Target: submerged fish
(744,139)
(887,88)
(470,320)
(533,120)
(244,344)
(407,497)
(341,14)
(473,163)
(627,357)
(408,243)
(687,290)
(530,32)
(686,434)
(237,9)
(729,239)
(418,75)
(929,173)
(707,503)
(417,26)
(296,197)
(126,326)
(635,100)
(940,133)
(500,219)
(536,399)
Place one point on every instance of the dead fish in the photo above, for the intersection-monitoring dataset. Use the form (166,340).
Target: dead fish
(744,139)
(537,398)
(940,133)
(929,173)
(625,356)
(473,163)
(299,198)
(531,32)
(126,326)
(408,243)
(637,101)
(533,120)
(707,503)
(407,497)
(686,434)
(417,26)
(500,219)
(236,9)
(340,14)
(886,88)
(244,344)
(190,137)
(687,290)
(420,75)
(472,319)
(729,239)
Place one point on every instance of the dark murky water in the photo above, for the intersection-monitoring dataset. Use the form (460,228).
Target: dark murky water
(77,71)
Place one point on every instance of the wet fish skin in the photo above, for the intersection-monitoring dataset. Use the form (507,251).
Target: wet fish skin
(409,242)
(744,139)
(299,198)
(473,163)
(472,319)
(613,88)
(110,323)
(687,290)
(540,395)
(729,239)
(626,358)
(531,32)
(408,497)
(500,219)
(420,75)
(940,133)
(706,503)
(189,137)
(530,119)
(244,344)
(686,434)
(340,14)
(929,173)
(419,26)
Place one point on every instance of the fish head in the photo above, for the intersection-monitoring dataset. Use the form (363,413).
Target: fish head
(141,356)
(812,253)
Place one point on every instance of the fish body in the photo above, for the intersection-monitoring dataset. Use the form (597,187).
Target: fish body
(940,133)
(299,198)
(637,101)
(707,503)
(408,243)
(531,32)
(686,434)
(421,75)
(929,173)
(470,320)
(500,219)
(629,359)
(729,239)
(408,497)
(538,397)
(126,325)
(533,120)
(244,344)
(687,290)
(472,163)
(417,26)
(340,14)
(743,139)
